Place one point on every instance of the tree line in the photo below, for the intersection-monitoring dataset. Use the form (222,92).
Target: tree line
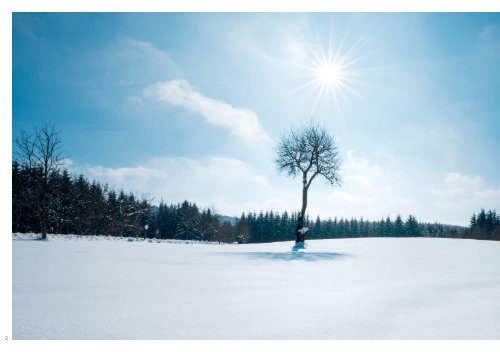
(46,198)
(270,227)
(485,225)
(186,221)
(74,205)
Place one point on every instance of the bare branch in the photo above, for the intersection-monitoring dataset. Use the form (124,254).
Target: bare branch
(309,149)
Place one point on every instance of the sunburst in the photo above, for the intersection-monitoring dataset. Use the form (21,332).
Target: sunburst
(332,74)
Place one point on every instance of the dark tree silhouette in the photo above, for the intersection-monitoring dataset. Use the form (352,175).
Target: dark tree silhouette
(40,153)
(308,151)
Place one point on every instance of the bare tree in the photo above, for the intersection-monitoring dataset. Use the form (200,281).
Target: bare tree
(40,154)
(223,231)
(242,230)
(308,151)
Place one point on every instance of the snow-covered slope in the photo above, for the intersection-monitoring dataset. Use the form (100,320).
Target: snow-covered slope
(371,288)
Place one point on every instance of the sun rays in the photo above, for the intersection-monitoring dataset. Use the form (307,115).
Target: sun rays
(332,73)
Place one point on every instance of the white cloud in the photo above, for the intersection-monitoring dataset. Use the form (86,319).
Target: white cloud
(360,172)
(233,186)
(458,184)
(460,195)
(145,46)
(67,163)
(467,188)
(289,44)
(296,47)
(130,63)
(146,52)
(136,178)
(370,189)
(240,122)
(228,184)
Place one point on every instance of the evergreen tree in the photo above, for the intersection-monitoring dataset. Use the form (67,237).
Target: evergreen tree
(242,230)
(411,227)
(285,227)
(398,227)
(389,227)
(316,230)
(472,222)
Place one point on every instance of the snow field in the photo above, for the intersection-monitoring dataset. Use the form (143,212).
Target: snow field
(364,288)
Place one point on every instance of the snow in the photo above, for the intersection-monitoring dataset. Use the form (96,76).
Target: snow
(35,236)
(73,287)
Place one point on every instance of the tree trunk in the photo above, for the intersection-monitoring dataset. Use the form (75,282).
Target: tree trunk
(43,219)
(301,237)
(43,227)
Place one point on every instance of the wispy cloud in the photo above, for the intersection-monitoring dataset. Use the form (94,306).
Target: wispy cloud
(243,123)
(147,49)
(467,187)
(229,184)
(369,190)
(132,63)
(460,195)
(131,178)
(234,186)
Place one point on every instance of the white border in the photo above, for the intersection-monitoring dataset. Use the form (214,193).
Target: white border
(252,346)
(5,176)
(254,6)
(6,9)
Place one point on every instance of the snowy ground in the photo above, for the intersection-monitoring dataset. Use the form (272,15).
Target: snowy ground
(371,288)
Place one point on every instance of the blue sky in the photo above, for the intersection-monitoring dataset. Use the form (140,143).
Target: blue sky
(190,106)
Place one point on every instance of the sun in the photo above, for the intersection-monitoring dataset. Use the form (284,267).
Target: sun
(329,74)
(331,78)
(330,69)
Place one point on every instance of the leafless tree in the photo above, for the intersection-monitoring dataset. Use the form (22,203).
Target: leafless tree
(308,151)
(224,231)
(40,154)
(242,230)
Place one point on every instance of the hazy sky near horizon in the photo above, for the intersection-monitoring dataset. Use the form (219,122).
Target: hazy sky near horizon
(191,105)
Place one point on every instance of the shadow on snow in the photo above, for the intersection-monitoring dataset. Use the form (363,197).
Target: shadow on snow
(293,256)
